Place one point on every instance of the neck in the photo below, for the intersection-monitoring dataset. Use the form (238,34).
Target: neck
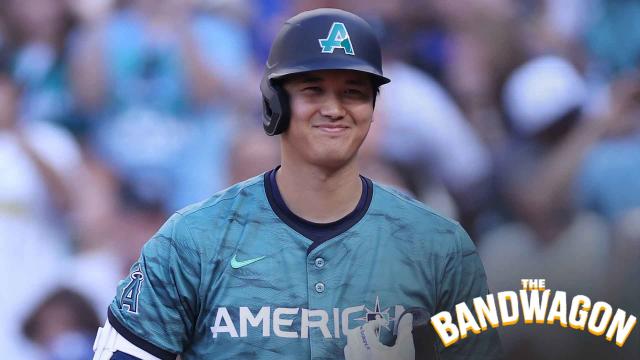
(318,194)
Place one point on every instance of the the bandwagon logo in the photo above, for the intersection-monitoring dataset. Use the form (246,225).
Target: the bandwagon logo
(534,300)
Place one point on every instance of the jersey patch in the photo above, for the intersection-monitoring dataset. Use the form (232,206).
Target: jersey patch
(131,292)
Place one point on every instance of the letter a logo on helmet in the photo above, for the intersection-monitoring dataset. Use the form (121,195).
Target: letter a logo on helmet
(338,38)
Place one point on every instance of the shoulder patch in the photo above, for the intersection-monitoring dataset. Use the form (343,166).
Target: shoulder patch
(131,292)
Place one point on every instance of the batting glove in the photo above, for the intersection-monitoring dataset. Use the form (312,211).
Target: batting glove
(363,343)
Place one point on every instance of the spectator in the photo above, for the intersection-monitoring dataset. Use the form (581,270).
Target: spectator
(547,235)
(544,101)
(63,326)
(159,80)
(35,186)
(102,244)
(37,31)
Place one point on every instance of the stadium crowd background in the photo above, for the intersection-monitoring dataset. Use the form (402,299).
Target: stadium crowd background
(518,118)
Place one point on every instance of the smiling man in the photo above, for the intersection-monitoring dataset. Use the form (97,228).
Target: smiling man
(310,260)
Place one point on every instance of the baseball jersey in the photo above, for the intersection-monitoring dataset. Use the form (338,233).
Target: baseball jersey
(239,276)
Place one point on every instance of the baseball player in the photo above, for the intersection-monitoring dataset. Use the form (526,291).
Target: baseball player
(309,260)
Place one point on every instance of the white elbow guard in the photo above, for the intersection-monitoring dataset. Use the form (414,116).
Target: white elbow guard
(108,341)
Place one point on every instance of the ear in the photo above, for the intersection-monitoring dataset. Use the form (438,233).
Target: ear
(275,107)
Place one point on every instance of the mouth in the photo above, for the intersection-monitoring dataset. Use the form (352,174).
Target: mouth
(332,128)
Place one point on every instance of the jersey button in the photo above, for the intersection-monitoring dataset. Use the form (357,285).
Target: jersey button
(320,287)
(319,262)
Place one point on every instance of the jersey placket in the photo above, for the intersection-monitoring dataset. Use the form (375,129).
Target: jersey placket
(318,322)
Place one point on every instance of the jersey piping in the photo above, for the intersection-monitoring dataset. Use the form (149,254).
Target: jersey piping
(316,232)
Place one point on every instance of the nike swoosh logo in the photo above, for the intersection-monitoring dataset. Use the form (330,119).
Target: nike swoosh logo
(238,264)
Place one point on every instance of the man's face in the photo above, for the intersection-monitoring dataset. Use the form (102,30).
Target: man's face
(331,112)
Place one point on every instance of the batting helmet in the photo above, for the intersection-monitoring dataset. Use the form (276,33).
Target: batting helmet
(321,39)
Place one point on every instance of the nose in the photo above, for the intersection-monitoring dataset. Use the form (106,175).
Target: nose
(332,107)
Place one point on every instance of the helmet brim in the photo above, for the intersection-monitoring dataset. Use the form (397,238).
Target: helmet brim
(334,64)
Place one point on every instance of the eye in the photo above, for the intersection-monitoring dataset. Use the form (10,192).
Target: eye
(354,92)
(312,89)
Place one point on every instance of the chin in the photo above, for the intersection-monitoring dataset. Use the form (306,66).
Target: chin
(332,159)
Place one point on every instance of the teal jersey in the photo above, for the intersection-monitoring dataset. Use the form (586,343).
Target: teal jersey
(231,278)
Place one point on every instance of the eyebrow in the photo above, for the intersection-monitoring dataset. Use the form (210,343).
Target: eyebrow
(315,79)
(311,79)
(356,82)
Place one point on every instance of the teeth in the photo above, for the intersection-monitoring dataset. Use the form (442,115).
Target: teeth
(331,129)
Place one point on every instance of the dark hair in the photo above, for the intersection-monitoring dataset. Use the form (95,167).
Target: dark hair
(15,34)
(85,318)
(559,129)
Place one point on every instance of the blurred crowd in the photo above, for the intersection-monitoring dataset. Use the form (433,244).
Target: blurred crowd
(518,118)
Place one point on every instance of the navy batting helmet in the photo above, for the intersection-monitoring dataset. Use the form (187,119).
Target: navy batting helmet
(321,39)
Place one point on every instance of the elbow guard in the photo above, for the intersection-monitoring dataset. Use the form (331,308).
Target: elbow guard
(109,341)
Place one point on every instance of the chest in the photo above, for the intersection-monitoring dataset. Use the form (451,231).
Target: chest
(270,290)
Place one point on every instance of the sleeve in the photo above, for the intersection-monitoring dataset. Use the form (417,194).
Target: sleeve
(156,305)
(463,279)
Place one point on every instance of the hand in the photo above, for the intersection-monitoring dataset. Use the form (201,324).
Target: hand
(363,343)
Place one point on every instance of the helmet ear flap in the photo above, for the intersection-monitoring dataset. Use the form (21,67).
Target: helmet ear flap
(275,107)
